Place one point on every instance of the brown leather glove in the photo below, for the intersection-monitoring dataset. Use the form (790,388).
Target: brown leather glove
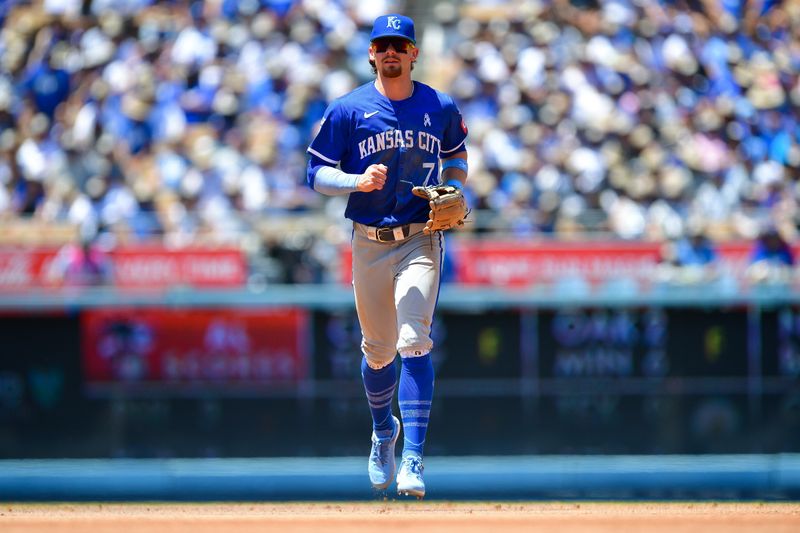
(448,206)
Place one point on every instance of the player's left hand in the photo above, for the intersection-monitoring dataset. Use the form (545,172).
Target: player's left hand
(448,206)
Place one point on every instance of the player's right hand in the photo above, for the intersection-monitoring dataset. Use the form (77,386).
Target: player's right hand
(373,178)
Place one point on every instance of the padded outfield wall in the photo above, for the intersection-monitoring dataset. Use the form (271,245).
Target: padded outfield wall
(99,373)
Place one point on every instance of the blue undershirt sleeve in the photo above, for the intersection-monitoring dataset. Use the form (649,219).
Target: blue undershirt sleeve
(334,182)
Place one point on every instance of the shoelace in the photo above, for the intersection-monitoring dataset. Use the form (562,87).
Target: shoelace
(414,465)
(378,450)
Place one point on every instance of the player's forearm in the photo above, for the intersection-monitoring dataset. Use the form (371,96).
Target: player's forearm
(333,182)
(455,169)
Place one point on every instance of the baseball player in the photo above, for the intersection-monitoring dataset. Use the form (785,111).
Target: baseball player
(383,145)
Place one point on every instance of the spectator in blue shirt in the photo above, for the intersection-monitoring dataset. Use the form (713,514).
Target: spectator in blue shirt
(771,259)
(695,248)
(770,247)
(691,259)
(48,85)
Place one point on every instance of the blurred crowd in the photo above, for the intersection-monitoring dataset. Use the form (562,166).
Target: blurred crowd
(189,119)
(638,117)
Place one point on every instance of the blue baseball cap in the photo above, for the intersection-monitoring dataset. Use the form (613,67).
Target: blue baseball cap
(393,26)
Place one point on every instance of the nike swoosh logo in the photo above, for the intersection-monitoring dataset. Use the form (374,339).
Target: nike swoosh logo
(367,115)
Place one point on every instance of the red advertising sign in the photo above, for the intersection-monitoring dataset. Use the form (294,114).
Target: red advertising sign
(220,346)
(22,269)
(515,263)
(158,267)
(129,267)
(521,263)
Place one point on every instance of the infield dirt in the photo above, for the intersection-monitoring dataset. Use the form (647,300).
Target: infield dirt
(398,516)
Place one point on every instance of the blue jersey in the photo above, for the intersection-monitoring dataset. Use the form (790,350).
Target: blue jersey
(409,136)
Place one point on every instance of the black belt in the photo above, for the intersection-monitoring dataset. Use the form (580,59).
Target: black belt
(397,233)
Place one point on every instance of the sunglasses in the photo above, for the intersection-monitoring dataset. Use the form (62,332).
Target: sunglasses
(401,46)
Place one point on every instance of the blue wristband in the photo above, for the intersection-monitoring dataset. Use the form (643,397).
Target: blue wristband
(455,183)
(457,162)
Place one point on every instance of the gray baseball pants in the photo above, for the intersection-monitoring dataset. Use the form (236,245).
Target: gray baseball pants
(396,286)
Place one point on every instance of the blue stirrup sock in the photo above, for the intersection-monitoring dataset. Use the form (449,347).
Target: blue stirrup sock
(380,385)
(414,397)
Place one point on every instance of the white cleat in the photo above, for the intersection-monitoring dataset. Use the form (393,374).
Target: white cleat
(381,458)
(409,478)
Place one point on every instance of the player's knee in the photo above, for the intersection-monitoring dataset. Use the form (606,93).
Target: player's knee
(413,344)
(413,337)
(414,350)
(377,356)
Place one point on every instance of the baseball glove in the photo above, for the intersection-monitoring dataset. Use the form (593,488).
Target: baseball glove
(448,206)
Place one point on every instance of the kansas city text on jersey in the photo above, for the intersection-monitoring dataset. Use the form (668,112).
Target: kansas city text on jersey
(392,139)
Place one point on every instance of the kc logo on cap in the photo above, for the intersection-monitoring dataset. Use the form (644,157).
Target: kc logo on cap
(393,26)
